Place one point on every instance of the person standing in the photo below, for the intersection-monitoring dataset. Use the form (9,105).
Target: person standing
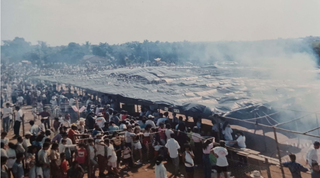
(45,116)
(188,157)
(197,139)
(7,112)
(206,149)
(220,153)
(4,168)
(17,168)
(17,123)
(294,167)
(173,150)
(312,154)
(160,170)
(43,159)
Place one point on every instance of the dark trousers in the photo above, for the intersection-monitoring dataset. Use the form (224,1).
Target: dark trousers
(46,123)
(198,152)
(16,128)
(216,135)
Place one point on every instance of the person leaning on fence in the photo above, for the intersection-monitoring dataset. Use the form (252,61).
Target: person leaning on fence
(294,167)
(312,155)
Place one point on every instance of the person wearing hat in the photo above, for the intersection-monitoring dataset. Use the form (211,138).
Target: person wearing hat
(294,167)
(100,120)
(256,174)
(312,155)
(26,141)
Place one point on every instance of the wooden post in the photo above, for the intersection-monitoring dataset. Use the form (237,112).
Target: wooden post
(78,113)
(23,130)
(278,150)
(89,163)
(268,167)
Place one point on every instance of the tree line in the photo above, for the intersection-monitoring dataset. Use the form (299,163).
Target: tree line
(123,54)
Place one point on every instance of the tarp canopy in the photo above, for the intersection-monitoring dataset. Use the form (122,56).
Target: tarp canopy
(219,90)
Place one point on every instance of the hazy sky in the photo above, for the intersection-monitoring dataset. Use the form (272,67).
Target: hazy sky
(59,22)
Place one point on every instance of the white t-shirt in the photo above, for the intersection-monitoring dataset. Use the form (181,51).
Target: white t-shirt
(312,156)
(11,153)
(173,147)
(91,151)
(5,141)
(20,99)
(189,160)
(128,136)
(3,153)
(100,149)
(222,153)
(35,129)
(241,140)
(71,102)
(168,133)
(112,153)
(196,137)
(6,112)
(227,134)
(150,122)
(100,122)
(19,114)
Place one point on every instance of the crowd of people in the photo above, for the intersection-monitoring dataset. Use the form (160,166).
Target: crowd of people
(108,139)
(63,145)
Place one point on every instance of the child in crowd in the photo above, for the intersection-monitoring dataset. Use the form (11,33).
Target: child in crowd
(64,165)
(126,155)
(111,158)
(81,155)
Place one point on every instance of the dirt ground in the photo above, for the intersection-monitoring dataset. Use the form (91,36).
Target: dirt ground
(147,170)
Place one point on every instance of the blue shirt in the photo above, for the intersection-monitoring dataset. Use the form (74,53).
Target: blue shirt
(17,170)
(295,169)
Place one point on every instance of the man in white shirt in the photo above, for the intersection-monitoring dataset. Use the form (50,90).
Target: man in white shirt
(312,155)
(222,163)
(43,158)
(150,121)
(34,130)
(100,120)
(173,150)
(7,112)
(241,141)
(17,123)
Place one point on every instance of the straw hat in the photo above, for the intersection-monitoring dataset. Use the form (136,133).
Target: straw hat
(100,114)
(256,174)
